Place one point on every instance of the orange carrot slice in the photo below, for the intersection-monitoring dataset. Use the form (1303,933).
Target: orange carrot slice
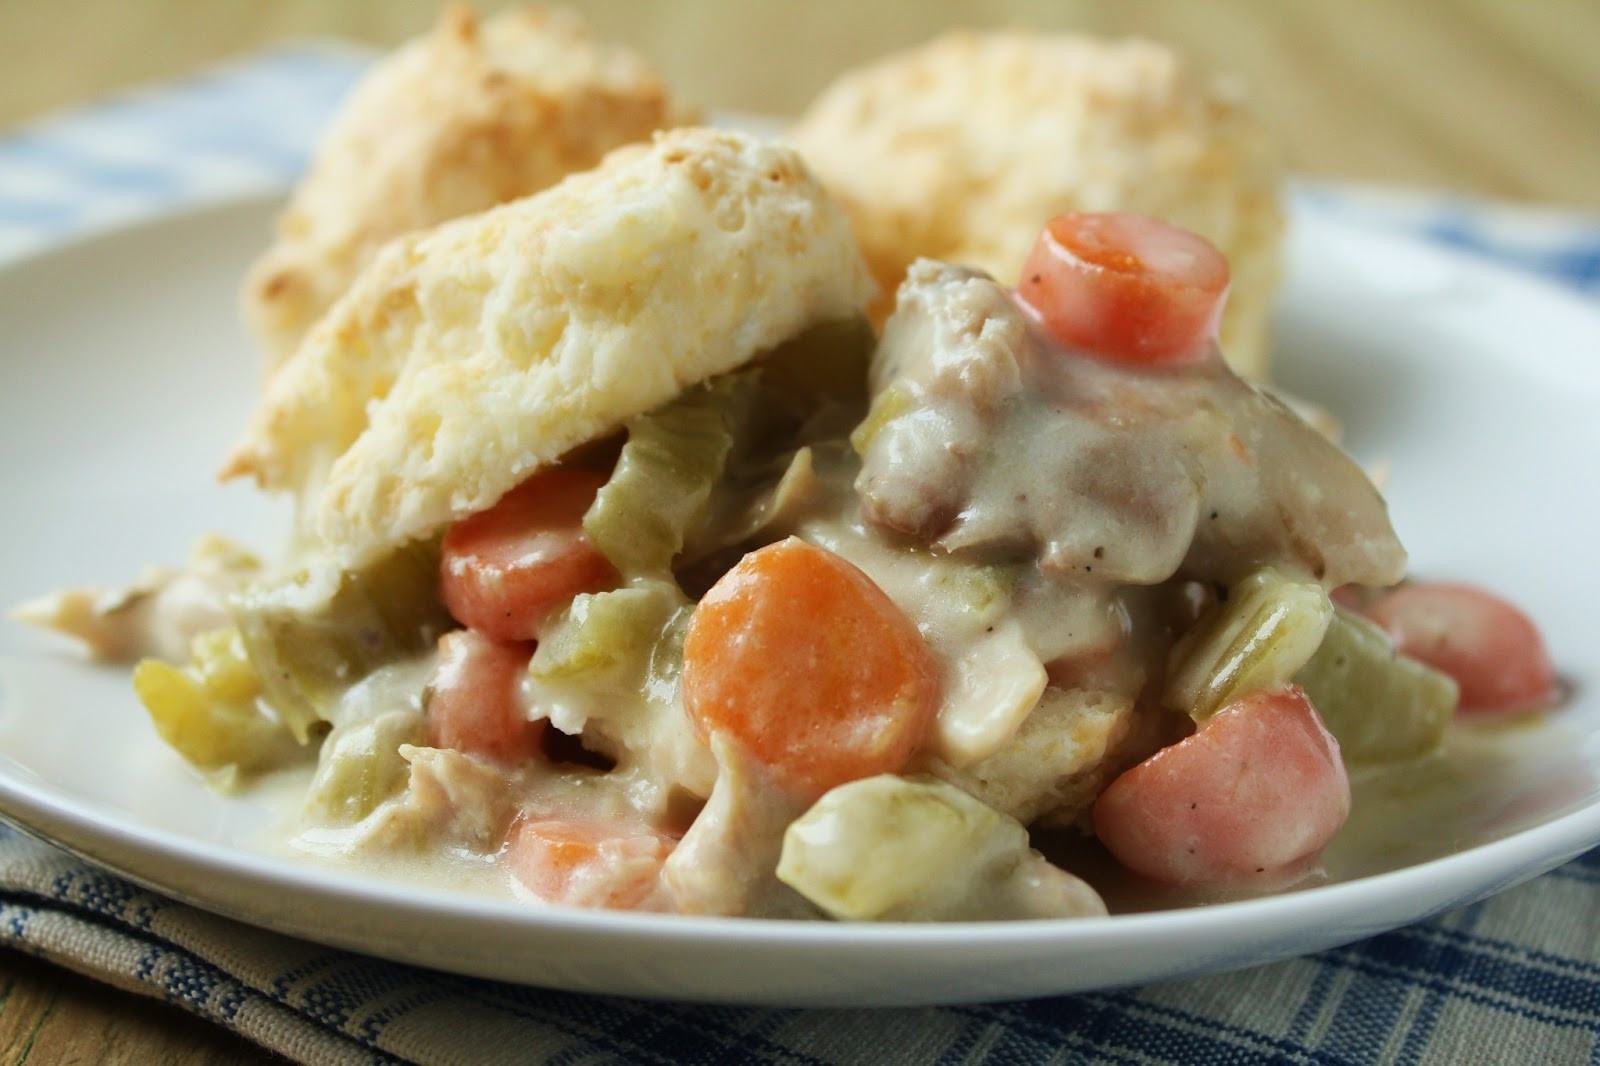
(505,570)
(798,656)
(587,864)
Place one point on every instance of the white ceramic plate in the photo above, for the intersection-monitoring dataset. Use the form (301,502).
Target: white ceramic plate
(125,377)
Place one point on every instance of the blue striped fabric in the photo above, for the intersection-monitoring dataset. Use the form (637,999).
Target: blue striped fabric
(1515,978)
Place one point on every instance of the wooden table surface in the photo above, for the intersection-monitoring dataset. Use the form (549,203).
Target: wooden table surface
(1493,98)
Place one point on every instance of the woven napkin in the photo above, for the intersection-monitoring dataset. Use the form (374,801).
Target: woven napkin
(1515,978)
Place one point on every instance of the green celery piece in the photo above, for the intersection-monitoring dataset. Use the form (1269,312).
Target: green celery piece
(1380,705)
(734,425)
(360,766)
(209,710)
(605,631)
(1266,629)
(824,364)
(891,848)
(887,406)
(663,478)
(317,633)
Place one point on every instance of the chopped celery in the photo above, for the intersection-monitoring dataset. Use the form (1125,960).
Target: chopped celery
(825,364)
(605,631)
(1379,704)
(360,766)
(677,455)
(888,848)
(672,460)
(1266,628)
(983,588)
(314,635)
(208,711)
(738,513)
(887,405)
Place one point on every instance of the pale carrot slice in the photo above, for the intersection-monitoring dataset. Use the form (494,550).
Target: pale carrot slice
(471,702)
(1492,649)
(805,662)
(1259,789)
(505,570)
(587,864)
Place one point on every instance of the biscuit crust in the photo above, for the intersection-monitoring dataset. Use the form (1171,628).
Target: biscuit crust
(469,355)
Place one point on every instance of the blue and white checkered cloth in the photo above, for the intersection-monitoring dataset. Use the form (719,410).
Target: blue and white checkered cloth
(1512,979)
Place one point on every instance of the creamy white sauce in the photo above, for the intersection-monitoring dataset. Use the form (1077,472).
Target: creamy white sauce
(1038,515)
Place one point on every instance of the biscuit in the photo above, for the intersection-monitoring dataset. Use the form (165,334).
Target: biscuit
(1056,762)
(961,149)
(469,116)
(467,356)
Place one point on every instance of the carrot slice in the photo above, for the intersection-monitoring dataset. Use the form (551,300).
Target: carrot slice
(505,570)
(472,703)
(1492,649)
(587,864)
(1257,790)
(802,659)
(1126,288)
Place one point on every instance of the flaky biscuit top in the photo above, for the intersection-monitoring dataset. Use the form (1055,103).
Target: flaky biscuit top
(467,356)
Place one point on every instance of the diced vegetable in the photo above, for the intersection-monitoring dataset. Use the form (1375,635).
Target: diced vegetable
(504,571)
(698,460)
(1254,640)
(825,365)
(471,701)
(798,656)
(1126,287)
(887,405)
(1381,705)
(1259,789)
(1492,650)
(585,864)
(741,511)
(312,636)
(663,479)
(990,689)
(608,630)
(890,849)
(209,711)
(360,766)
(983,588)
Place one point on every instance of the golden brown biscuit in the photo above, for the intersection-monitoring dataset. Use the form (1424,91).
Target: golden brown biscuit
(469,116)
(961,149)
(469,355)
